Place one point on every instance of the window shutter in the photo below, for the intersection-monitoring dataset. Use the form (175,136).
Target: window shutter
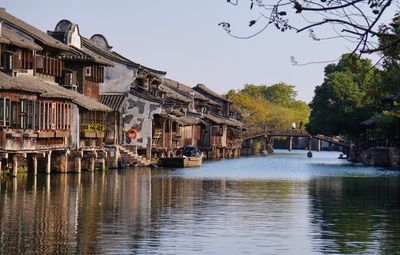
(17,62)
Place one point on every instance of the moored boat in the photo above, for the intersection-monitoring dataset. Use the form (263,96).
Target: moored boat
(181,162)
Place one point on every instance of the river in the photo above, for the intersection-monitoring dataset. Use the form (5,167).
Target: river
(282,204)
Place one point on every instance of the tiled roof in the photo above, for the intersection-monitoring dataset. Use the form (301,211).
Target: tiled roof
(173,94)
(204,88)
(30,30)
(184,89)
(86,54)
(114,101)
(91,46)
(114,56)
(223,121)
(9,36)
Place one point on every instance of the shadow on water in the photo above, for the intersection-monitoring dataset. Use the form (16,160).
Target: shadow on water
(283,204)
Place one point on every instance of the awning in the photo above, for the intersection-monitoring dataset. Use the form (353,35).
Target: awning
(114,101)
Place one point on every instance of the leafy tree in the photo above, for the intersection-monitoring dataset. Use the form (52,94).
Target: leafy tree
(272,107)
(349,95)
(280,93)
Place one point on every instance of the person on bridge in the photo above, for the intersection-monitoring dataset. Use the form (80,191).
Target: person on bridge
(293,125)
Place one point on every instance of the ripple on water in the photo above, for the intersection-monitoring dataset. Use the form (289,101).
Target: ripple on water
(282,166)
(282,204)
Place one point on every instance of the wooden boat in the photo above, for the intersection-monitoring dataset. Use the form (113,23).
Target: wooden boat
(181,162)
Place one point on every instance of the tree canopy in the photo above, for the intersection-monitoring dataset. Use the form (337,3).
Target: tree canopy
(349,95)
(272,107)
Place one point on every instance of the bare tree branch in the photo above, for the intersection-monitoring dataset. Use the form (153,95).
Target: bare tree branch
(348,17)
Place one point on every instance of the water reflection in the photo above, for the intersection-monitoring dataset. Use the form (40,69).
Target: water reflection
(172,212)
(356,215)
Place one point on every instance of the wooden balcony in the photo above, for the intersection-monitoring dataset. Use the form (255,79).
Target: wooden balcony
(92,134)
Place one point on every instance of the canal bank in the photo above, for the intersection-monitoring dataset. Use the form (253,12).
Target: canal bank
(282,204)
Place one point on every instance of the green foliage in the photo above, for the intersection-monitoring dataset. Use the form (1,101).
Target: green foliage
(386,125)
(95,127)
(272,107)
(281,93)
(348,96)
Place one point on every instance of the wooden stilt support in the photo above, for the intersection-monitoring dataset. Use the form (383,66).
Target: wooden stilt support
(103,164)
(290,143)
(148,151)
(48,163)
(78,164)
(92,160)
(48,186)
(15,166)
(318,144)
(66,162)
(34,165)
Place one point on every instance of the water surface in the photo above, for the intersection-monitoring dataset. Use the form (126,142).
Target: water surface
(282,204)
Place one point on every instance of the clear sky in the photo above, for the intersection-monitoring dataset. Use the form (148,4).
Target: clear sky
(182,37)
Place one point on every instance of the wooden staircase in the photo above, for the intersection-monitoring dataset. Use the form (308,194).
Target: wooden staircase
(131,158)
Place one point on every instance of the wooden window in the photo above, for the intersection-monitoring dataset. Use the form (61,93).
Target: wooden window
(49,66)
(53,115)
(17,63)
(62,116)
(43,114)
(7,61)
(5,108)
(23,113)
(47,108)
(69,116)
(217,131)
(39,64)
(88,71)
(30,114)
(7,114)
(2,109)
(102,74)
(37,115)
(15,115)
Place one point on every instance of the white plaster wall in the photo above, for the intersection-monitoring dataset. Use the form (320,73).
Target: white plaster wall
(139,114)
(75,38)
(117,79)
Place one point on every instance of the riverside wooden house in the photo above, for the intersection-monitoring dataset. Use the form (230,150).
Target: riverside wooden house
(222,134)
(41,121)
(84,71)
(68,102)
(192,127)
(171,126)
(132,92)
